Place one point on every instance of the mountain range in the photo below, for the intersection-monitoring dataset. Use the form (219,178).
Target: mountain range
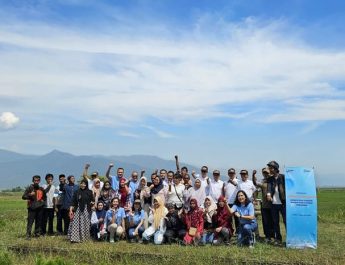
(17,169)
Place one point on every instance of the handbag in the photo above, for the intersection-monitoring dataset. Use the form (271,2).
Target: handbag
(192,231)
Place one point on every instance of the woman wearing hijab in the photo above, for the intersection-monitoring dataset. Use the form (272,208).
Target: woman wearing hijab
(223,223)
(157,188)
(80,214)
(107,194)
(194,221)
(96,189)
(210,208)
(124,194)
(244,210)
(197,192)
(145,199)
(97,221)
(115,220)
(157,221)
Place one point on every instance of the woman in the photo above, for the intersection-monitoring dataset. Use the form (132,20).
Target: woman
(80,214)
(197,192)
(96,189)
(97,222)
(157,221)
(157,188)
(174,193)
(210,208)
(115,220)
(124,194)
(244,210)
(194,221)
(136,220)
(107,194)
(145,199)
(223,223)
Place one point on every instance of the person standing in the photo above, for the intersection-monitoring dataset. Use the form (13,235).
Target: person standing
(246,185)
(174,192)
(266,206)
(115,180)
(91,179)
(70,189)
(203,178)
(80,214)
(58,203)
(215,186)
(36,197)
(48,210)
(229,191)
(133,185)
(276,194)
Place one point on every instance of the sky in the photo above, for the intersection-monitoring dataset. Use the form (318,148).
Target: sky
(221,83)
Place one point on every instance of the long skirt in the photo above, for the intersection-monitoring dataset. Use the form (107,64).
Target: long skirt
(79,228)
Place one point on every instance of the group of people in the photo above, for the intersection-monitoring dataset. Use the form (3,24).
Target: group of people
(170,207)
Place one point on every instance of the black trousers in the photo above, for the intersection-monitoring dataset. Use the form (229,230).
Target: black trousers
(34,216)
(48,217)
(62,215)
(267,222)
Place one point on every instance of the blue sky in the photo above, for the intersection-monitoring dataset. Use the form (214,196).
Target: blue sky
(222,83)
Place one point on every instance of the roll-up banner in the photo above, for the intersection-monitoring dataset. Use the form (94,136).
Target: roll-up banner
(301,208)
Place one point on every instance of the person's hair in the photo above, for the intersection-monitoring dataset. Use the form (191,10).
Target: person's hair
(102,202)
(246,202)
(120,168)
(85,182)
(155,175)
(62,176)
(171,172)
(184,168)
(113,199)
(49,175)
(139,207)
(162,170)
(177,176)
(69,177)
(36,177)
(204,167)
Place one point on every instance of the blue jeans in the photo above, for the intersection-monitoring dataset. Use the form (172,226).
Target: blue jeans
(245,234)
(207,237)
(140,231)
(276,209)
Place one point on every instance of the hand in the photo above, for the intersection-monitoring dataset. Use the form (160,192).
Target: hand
(152,210)
(269,197)
(87,166)
(254,172)
(71,215)
(56,209)
(218,229)
(193,173)
(255,202)
(185,211)
(100,220)
(111,165)
(237,214)
(135,233)
(176,157)
(225,201)
(32,193)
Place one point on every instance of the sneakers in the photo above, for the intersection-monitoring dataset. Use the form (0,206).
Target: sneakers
(112,240)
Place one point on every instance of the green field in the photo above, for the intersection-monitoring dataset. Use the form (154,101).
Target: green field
(57,250)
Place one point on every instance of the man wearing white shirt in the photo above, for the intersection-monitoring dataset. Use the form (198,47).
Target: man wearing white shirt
(230,191)
(246,184)
(215,186)
(90,180)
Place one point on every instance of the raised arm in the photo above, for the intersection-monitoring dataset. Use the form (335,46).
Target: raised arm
(86,168)
(107,174)
(177,164)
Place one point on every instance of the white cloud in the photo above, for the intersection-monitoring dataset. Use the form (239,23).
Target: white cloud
(158,132)
(128,134)
(118,79)
(8,120)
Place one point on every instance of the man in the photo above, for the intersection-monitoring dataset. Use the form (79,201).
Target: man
(266,213)
(90,180)
(230,190)
(58,203)
(70,189)
(276,194)
(48,210)
(133,185)
(204,176)
(36,197)
(246,185)
(115,180)
(215,186)
(163,176)
(170,177)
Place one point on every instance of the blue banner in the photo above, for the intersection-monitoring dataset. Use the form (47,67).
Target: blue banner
(301,208)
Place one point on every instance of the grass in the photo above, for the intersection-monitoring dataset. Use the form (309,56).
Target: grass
(14,249)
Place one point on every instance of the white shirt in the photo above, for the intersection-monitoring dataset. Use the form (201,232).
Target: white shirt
(174,196)
(248,187)
(230,191)
(215,189)
(50,195)
(276,199)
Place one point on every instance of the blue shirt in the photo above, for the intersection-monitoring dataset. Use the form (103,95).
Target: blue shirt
(137,217)
(120,215)
(115,182)
(245,210)
(133,186)
(68,196)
